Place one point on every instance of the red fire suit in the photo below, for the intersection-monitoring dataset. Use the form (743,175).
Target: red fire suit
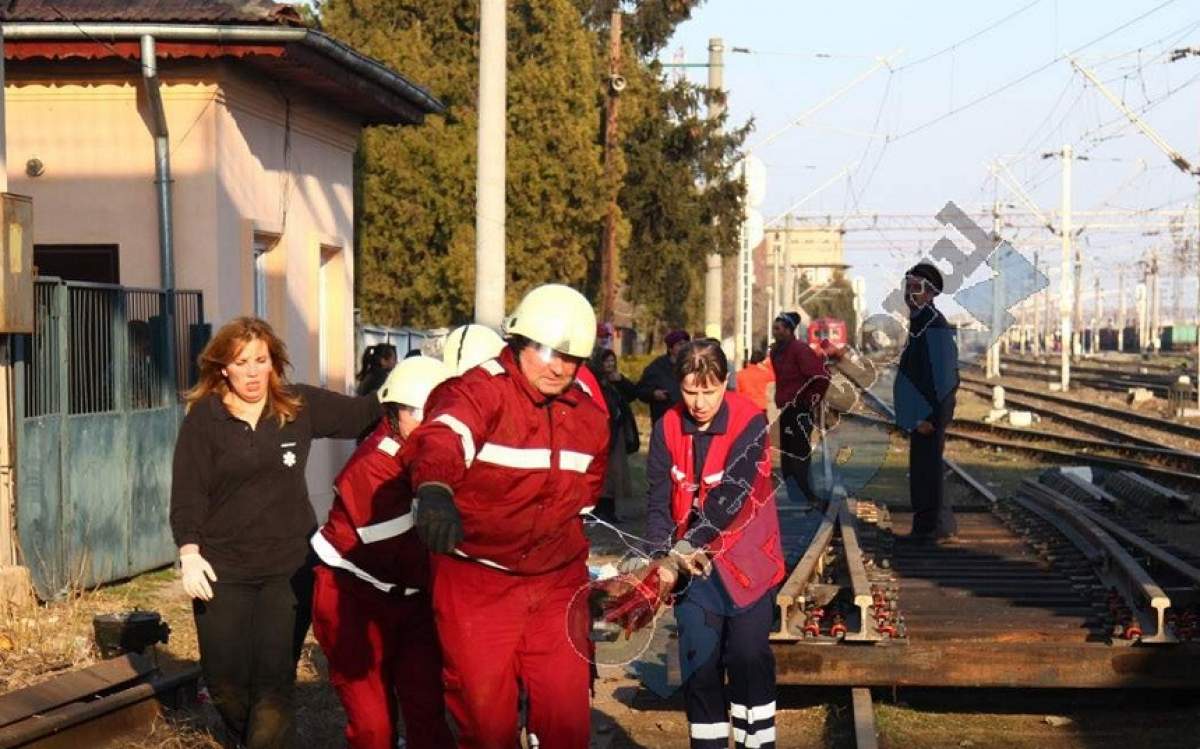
(371,604)
(507,603)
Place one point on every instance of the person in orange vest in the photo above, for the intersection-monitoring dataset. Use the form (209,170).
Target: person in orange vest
(711,508)
(754,378)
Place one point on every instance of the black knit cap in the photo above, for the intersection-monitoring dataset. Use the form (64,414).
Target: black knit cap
(790,319)
(929,272)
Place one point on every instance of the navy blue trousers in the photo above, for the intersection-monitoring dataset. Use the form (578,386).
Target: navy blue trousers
(728,674)
(932,513)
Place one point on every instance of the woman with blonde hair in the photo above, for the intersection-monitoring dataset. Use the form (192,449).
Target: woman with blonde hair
(241,518)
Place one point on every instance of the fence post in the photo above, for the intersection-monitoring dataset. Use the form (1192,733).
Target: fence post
(62,312)
(120,352)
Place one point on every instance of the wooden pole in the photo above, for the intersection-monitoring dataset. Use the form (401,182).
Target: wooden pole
(610,263)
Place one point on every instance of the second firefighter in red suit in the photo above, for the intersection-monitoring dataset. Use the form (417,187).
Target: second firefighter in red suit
(508,458)
(371,605)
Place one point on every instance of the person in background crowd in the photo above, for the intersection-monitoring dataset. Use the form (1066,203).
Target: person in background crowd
(801,379)
(241,517)
(924,396)
(510,455)
(371,609)
(755,377)
(711,505)
(618,392)
(377,362)
(658,385)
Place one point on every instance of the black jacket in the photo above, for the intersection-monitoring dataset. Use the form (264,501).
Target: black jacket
(659,375)
(240,493)
(927,378)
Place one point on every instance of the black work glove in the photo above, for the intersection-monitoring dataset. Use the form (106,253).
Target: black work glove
(438,522)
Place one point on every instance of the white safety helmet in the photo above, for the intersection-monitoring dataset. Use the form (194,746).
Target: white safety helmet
(469,346)
(411,382)
(555,316)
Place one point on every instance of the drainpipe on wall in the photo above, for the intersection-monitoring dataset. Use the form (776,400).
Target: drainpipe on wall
(162,183)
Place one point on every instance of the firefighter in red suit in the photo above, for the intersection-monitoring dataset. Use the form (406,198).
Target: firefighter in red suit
(509,458)
(711,507)
(371,604)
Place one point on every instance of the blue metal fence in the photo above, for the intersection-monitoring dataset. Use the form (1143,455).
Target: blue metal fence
(99,414)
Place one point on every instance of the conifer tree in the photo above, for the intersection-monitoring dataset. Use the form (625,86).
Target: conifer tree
(416,185)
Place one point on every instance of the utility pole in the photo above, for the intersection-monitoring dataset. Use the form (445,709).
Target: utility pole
(1047,316)
(1123,315)
(1140,298)
(993,353)
(1066,292)
(1098,310)
(778,295)
(1156,333)
(609,263)
(491,151)
(716,108)
(1037,312)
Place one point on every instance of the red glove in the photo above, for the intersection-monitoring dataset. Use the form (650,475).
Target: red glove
(638,606)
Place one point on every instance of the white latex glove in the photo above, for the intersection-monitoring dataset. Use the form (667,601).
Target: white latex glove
(687,557)
(197,573)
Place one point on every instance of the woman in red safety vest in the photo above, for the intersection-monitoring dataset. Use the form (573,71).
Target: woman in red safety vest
(711,505)
(372,613)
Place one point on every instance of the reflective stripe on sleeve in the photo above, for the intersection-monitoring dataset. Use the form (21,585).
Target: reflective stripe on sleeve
(481,560)
(532,458)
(331,557)
(464,434)
(569,460)
(387,529)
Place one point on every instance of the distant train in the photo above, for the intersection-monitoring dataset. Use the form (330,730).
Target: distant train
(827,334)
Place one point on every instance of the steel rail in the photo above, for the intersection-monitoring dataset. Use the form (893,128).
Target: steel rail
(865,732)
(99,718)
(1169,474)
(1083,443)
(1166,425)
(794,591)
(1101,381)
(1133,581)
(1113,435)
(860,586)
(1159,554)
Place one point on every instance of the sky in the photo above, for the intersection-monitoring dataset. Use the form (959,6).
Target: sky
(916,138)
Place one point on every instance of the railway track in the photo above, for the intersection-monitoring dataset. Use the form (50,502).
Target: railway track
(94,706)
(1035,593)
(1086,408)
(1100,378)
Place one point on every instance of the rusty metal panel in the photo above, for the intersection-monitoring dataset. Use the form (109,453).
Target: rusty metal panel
(151,446)
(16,264)
(96,498)
(97,433)
(39,504)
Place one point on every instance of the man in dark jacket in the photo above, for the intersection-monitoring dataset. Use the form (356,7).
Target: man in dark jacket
(801,379)
(924,396)
(659,386)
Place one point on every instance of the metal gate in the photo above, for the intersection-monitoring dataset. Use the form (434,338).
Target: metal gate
(98,399)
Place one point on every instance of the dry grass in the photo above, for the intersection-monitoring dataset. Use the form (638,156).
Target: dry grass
(37,643)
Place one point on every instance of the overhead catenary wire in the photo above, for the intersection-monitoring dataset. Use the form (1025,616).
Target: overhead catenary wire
(1030,74)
